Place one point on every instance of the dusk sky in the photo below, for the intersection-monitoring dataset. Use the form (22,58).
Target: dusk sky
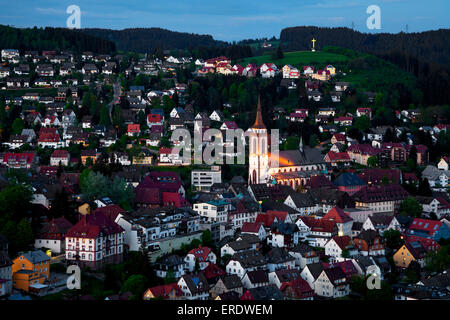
(231,19)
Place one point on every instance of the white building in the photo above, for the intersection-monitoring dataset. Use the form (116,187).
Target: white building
(95,240)
(202,256)
(213,211)
(204,179)
(332,283)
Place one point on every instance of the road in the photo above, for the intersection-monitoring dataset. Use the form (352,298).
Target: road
(117,89)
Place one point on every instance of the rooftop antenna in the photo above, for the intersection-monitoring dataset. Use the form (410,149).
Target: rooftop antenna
(353,25)
(406,28)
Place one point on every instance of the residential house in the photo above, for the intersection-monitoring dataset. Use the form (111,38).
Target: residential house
(339,247)
(303,255)
(201,256)
(89,155)
(369,243)
(242,262)
(167,292)
(170,263)
(94,240)
(297,289)
(410,251)
(332,283)
(31,270)
(52,235)
(60,157)
(255,279)
(226,284)
(381,198)
(381,223)
(194,286)
(279,258)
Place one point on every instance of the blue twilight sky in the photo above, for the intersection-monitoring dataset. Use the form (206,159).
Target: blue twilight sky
(230,19)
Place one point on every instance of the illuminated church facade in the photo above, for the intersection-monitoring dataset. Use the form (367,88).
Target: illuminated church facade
(294,167)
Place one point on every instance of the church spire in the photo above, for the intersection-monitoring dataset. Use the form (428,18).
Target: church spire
(259,124)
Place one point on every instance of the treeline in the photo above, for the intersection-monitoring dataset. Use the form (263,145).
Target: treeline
(146,40)
(429,45)
(52,39)
(433,79)
(234,52)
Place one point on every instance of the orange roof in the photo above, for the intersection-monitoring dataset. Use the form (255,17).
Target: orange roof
(338,215)
(259,124)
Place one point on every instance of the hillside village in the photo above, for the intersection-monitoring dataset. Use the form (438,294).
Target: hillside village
(89,176)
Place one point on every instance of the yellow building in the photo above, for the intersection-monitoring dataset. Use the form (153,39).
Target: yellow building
(84,209)
(142,160)
(410,251)
(331,69)
(30,269)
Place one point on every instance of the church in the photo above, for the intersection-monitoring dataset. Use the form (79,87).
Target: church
(294,167)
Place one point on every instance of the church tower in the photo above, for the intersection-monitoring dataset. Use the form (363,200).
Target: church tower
(258,150)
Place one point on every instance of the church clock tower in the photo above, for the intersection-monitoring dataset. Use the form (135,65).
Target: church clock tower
(258,150)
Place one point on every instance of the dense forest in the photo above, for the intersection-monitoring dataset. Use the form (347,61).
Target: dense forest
(430,45)
(148,39)
(52,39)
(433,79)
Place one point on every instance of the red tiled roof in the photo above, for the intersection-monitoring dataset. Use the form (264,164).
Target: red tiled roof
(363,149)
(231,124)
(45,130)
(154,118)
(319,225)
(343,241)
(251,227)
(343,119)
(60,154)
(134,128)
(319,182)
(429,244)
(338,215)
(173,199)
(200,253)
(165,151)
(376,175)
(430,226)
(212,271)
(347,267)
(49,137)
(111,211)
(165,290)
(27,156)
(338,156)
(91,225)
(55,229)
(167,181)
(150,196)
(339,137)
(300,288)
(391,192)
